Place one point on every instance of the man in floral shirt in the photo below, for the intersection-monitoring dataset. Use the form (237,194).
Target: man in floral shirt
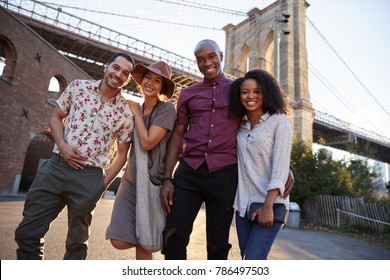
(91,121)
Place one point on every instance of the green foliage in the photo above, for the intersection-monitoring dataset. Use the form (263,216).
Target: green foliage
(362,178)
(320,174)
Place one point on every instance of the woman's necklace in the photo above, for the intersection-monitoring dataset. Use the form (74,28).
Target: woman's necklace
(102,98)
(148,111)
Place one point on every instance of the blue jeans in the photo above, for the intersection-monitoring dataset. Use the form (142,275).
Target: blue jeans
(255,241)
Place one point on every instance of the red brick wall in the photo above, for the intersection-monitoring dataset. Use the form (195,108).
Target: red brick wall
(28,90)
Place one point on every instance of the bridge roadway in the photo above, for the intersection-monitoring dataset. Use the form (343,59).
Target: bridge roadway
(90,45)
(337,134)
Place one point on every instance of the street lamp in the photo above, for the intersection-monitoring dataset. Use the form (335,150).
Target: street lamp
(280,27)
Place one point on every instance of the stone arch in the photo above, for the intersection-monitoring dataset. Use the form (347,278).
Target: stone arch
(269,52)
(39,149)
(257,32)
(242,61)
(8,57)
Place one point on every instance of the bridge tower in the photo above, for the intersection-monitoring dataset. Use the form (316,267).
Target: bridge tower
(250,44)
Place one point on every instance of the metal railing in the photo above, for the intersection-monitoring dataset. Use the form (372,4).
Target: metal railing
(56,17)
(344,211)
(357,216)
(358,131)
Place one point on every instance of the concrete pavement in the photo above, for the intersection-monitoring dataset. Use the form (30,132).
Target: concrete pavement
(291,244)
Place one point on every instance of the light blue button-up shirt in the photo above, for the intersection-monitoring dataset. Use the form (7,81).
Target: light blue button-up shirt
(263,160)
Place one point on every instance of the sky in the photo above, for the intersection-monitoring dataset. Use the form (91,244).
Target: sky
(347,43)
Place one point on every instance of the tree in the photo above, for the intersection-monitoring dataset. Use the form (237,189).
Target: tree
(319,174)
(362,179)
(303,164)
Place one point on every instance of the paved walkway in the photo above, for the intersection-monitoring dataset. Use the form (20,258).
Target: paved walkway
(291,244)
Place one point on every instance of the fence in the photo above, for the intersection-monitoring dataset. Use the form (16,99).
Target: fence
(342,210)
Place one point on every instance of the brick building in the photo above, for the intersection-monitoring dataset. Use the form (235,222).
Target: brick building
(29,63)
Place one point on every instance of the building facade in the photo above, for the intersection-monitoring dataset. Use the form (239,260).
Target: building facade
(28,65)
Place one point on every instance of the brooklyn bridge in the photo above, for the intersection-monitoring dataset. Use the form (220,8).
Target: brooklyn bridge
(89,45)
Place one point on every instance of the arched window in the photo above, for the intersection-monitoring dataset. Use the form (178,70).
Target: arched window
(54,85)
(7,59)
(57,85)
(2,61)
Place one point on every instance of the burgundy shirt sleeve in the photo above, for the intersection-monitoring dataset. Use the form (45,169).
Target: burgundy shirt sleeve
(211,134)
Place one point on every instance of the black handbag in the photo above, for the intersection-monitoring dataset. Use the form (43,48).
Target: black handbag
(279,211)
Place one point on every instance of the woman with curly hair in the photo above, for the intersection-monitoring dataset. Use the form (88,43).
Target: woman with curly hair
(263,148)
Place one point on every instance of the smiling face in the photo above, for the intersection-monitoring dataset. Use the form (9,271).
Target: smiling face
(251,96)
(151,84)
(209,57)
(118,73)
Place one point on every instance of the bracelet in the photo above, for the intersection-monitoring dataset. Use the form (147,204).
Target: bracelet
(166,179)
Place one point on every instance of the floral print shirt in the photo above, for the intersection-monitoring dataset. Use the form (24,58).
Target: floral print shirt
(94,125)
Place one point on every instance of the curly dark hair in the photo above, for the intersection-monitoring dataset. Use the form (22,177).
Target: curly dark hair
(274,98)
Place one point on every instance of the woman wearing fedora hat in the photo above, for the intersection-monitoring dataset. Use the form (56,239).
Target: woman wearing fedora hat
(154,121)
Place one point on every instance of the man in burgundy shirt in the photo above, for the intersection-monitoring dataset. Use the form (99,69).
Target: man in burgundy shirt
(207,170)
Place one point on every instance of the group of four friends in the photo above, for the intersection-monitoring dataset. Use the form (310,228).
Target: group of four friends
(226,145)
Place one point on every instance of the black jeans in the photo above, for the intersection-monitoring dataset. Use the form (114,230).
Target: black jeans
(193,187)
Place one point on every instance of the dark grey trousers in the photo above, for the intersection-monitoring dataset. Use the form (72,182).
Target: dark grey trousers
(58,185)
